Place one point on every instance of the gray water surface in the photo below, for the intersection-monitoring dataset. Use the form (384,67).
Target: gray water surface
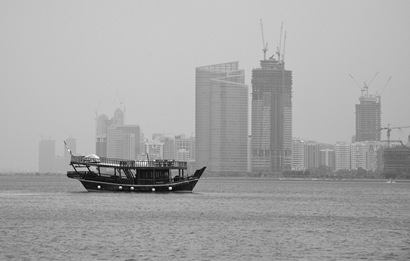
(54,218)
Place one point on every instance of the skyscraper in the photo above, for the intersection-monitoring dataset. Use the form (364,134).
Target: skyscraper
(327,158)
(123,141)
(221,118)
(102,123)
(311,151)
(116,140)
(46,156)
(358,155)
(364,155)
(305,154)
(187,144)
(342,156)
(169,151)
(298,154)
(271,145)
(154,149)
(368,117)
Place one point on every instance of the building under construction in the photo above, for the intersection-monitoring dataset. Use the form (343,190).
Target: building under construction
(368,117)
(271,140)
(396,161)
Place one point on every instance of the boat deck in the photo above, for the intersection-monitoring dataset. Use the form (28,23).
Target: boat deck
(124,164)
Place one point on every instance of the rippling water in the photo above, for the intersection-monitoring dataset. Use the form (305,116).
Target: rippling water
(53,218)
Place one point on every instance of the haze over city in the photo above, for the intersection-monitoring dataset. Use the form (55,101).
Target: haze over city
(63,62)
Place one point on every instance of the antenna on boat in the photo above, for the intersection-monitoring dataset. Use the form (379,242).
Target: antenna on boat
(68,148)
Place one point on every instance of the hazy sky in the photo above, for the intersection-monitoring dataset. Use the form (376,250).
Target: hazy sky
(61,61)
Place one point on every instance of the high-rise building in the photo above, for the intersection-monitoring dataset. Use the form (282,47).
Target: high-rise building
(271,117)
(221,118)
(169,148)
(123,141)
(358,155)
(311,151)
(305,154)
(154,149)
(188,144)
(342,156)
(118,118)
(372,150)
(116,140)
(327,158)
(182,155)
(368,117)
(47,151)
(102,123)
(298,161)
(396,161)
(364,155)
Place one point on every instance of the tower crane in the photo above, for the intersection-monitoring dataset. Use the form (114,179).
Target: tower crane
(280,43)
(388,128)
(284,48)
(264,46)
(366,86)
(384,88)
(354,80)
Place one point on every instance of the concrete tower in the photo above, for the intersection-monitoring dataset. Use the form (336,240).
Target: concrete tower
(221,118)
(368,117)
(271,145)
(47,151)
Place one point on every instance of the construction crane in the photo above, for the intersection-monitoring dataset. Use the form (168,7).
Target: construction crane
(384,88)
(278,49)
(366,86)
(354,80)
(264,46)
(388,128)
(284,48)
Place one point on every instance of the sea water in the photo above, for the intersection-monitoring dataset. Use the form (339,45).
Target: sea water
(54,218)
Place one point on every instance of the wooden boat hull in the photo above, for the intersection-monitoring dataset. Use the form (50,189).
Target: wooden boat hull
(94,183)
(183,186)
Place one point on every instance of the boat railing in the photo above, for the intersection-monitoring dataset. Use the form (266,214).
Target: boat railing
(113,162)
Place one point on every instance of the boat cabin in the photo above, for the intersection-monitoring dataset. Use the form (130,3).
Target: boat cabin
(128,171)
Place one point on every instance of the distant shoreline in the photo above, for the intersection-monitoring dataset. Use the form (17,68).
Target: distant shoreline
(244,178)
(311,179)
(30,174)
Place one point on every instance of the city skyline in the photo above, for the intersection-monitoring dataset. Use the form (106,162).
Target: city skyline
(63,62)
